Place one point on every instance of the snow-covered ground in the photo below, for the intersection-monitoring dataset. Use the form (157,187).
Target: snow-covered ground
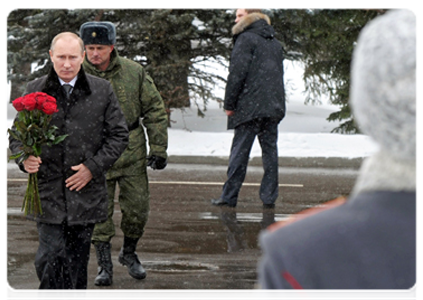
(303,133)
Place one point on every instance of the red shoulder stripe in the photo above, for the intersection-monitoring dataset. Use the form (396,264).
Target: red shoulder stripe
(306,213)
(292,281)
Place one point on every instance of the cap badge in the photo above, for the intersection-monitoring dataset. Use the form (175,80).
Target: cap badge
(94,34)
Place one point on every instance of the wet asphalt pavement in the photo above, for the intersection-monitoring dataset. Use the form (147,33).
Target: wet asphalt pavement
(188,243)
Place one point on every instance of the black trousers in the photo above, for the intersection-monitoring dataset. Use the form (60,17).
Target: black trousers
(62,258)
(266,129)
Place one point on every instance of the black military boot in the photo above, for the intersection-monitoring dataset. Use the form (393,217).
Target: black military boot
(129,258)
(105,266)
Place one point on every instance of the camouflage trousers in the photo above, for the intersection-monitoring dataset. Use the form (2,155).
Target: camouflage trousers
(134,202)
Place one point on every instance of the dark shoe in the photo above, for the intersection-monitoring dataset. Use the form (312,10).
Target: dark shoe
(268,218)
(221,202)
(129,258)
(105,266)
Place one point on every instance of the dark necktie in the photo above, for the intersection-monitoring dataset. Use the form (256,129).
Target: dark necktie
(68,89)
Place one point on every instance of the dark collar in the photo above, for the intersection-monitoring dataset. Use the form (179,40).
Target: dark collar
(53,86)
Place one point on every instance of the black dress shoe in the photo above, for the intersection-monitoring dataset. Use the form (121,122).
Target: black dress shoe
(221,202)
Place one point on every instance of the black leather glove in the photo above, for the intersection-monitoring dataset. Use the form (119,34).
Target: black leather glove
(156,162)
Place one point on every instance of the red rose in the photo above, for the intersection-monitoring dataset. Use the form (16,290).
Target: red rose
(40,98)
(29,102)
(17,104)
(49,107)
(51,99)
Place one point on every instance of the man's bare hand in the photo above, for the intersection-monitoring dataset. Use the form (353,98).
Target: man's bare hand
(32,164)
(229,113)
(80,179)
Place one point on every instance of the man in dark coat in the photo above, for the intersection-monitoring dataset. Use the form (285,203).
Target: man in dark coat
(369,241)
(254,103)
(71,174)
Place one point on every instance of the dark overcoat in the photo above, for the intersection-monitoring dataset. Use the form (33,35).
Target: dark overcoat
(255,86)
(98,134)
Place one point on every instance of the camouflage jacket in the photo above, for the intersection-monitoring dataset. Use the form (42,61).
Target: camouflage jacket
(139,101)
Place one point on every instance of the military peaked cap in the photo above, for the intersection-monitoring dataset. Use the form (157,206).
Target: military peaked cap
(101,33)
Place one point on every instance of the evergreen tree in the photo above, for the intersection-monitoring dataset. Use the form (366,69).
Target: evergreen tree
(29,36)
(323,40)
(19,62)
(168,43)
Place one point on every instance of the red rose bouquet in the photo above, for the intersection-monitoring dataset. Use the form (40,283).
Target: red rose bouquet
(32,128)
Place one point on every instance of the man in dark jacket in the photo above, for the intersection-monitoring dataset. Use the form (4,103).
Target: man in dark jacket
(368,242)
(71,174)
(254,103)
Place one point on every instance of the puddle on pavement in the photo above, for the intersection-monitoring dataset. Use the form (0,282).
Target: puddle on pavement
(243,217)
(219,232)
(178,266)
(202,233)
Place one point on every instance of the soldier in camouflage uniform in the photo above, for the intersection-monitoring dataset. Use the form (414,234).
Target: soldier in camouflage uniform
(139,99)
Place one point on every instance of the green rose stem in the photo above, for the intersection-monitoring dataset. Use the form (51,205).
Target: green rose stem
(32,203)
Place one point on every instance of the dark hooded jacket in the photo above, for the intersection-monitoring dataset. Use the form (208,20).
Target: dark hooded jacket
(97,135)
(255,87)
